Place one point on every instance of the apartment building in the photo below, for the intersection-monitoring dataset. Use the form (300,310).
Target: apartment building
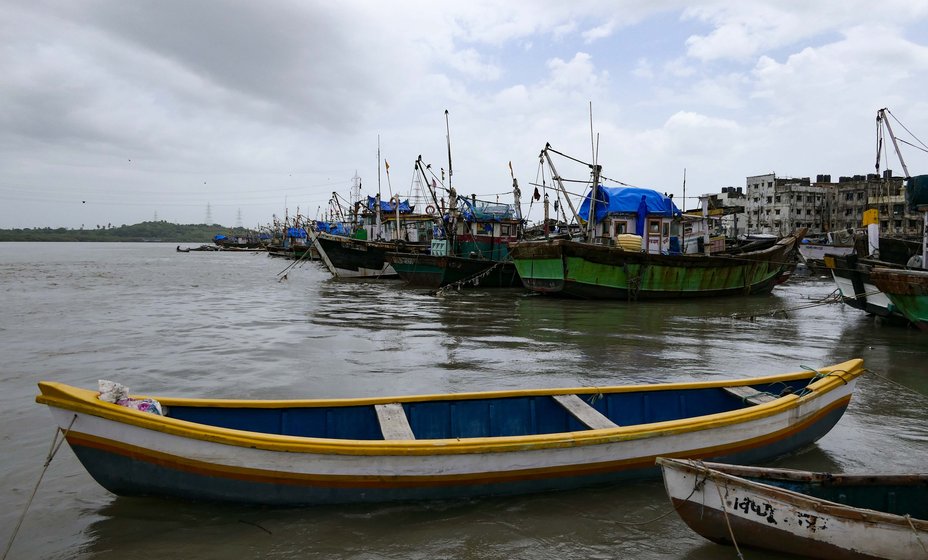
(779,205)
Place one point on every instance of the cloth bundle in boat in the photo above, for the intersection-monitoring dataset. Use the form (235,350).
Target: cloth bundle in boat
(117,393)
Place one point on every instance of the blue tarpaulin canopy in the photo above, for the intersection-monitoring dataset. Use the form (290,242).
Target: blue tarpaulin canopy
(485,211)
(387,206)
(219,237)
(628,200)
(335,228)
(296,232)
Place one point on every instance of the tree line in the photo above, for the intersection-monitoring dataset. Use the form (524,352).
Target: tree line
(144,232)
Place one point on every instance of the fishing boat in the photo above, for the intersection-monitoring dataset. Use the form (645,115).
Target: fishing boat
(851,274)
(381,227)
(907,291)
(631,250)
(812,250)
(816,515)
(472,247)
(589,271)
(289,452)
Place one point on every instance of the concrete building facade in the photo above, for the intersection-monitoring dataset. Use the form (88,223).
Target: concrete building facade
(779,205)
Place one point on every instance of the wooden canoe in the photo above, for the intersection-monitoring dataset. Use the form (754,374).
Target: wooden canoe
(817,515)
(441,446)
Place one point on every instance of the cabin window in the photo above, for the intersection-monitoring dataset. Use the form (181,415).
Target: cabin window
(605,230)
(621,227)
(654,227)
(505,230)
(666,231)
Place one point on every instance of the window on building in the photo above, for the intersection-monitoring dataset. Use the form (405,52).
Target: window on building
(860,195)
(777,212)
(778,198)
(769,200)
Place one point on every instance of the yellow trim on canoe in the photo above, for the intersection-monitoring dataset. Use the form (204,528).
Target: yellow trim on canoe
(86,402)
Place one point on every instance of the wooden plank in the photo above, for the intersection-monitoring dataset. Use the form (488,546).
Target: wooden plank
(750,395)
(585,413)
(393,421)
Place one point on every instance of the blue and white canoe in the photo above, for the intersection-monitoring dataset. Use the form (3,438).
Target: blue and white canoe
(290,452)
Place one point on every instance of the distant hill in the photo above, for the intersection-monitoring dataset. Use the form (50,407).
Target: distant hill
(144,232)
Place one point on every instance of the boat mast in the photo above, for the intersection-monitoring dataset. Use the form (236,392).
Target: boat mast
(516,194)
(682,220)
(881,118)
(557,178)
(448,138)
(591,223)
(441,220)
(377,210)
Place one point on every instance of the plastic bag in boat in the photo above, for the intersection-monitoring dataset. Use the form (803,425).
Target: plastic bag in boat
(117,393)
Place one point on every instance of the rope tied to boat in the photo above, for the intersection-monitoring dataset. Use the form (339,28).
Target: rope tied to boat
(718,488)
(833,297)
(56,444)
(896,383)
(473,279)
(663,515)
(915,532)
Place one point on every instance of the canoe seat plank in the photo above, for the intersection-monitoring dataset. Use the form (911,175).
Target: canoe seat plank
(393,421)
(750,395)
(585,413)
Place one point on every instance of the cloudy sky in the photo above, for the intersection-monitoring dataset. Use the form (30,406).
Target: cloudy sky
(123,111)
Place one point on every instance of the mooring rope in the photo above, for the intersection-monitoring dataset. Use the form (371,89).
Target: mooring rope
(718,488)
(915,531)
(896,383)
(56,444)
(833,297)
(475,279)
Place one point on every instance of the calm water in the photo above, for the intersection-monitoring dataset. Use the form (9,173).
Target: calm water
(221,325)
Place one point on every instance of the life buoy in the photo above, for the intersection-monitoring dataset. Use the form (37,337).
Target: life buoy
(430,209)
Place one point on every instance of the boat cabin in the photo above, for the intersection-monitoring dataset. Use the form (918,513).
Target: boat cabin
(393,220)
(634,219)
(480,230)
